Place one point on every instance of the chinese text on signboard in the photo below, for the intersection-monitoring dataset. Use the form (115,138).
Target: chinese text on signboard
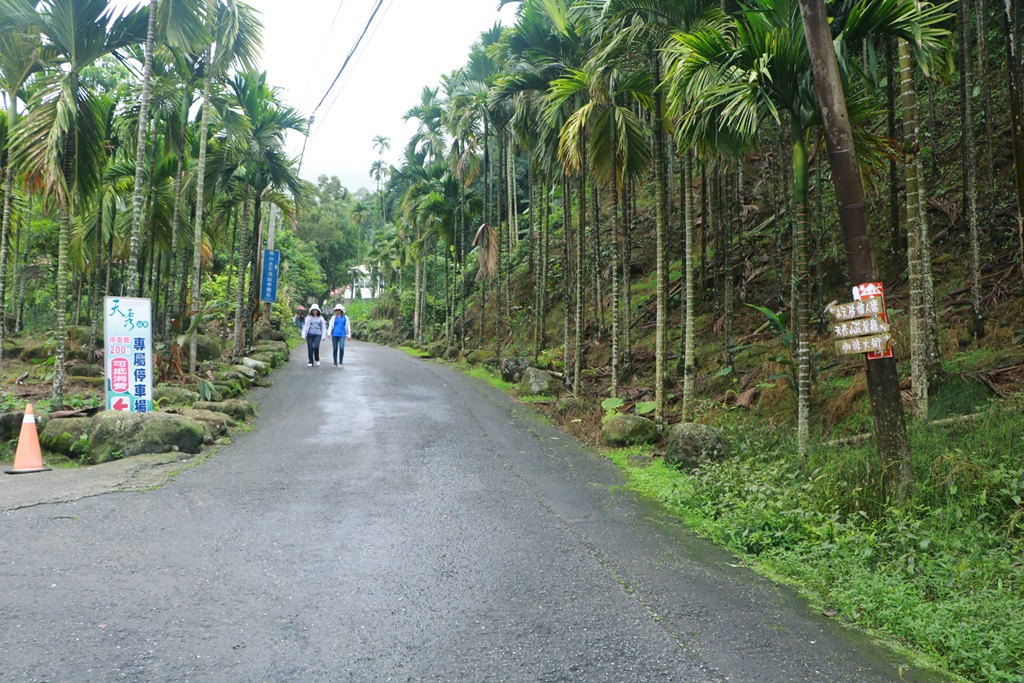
(128,353)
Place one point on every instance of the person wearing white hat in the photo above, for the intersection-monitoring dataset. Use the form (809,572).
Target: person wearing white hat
(339,330)
(313,331)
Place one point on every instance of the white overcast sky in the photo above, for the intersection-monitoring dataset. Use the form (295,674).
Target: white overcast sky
(410,44)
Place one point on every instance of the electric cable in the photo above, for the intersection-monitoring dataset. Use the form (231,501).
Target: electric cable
(323,47)
(355,64)
(348,57)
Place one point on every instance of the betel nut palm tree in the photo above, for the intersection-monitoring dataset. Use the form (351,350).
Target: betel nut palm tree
(60,139)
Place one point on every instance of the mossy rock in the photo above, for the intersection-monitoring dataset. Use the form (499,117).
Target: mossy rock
(31,351)
(216,424)
(261,367)
(65,436)
(537,382)
(479,357)
(10,423)
(79,335)
(172,395)
(691,443)
(270,358)
(228,389)
(232,377)
(436,349)
(114,435)
(81,355)
(208,347)
(272,346)
(271,334)
(243,369)
(236,408)
(85,370)
(629,430)
(12,349)
(451,353)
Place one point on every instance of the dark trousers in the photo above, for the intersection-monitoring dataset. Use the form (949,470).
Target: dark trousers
(313,347)
(339,349)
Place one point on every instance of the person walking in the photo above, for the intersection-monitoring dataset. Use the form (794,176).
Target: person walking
(314,329)
(340,330)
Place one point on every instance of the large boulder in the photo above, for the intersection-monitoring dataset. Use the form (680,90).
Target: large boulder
(244,369)
(271,334)
(114,435)
(208,347)
(67,436)
(436,349)
(236,408)
(537,382)
(215,424)
(175,396)
(479,357)
(691,443)
(269,358)
(629,430)
(512,369)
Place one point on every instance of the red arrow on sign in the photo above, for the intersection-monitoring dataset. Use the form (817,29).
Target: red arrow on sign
(120,404)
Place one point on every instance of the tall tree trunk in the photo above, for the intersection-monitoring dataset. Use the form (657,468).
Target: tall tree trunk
(566,270)
(627,276)
(1011,32)
(883,381)
(195,304)
(64,237)
(915,234)
(140,152)
(689,327)
(896,247)
(614,279)
(802,364)
(661,267)
(243,264)
(970,169)
(12,114)
(580,257)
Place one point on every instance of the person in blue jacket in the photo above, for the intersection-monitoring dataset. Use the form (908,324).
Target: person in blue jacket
(314,330)
(340,330)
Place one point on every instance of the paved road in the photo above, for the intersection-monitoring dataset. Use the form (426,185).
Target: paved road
(394,520)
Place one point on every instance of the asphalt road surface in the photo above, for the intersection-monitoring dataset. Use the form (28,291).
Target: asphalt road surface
(393,520)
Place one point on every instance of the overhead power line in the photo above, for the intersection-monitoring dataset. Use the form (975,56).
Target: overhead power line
(351,52)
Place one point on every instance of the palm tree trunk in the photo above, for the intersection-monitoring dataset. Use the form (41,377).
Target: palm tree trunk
(140,153)
(803,358)
(197,233)
(883,381)
(627,277)
(690,332)
(64,237)
(1011,32)
(566,270)
(5,227)
(24,262)
(614,279)
(581,229)
(660,183)
(255,244)
(970,169)
(918,328)
(243,264)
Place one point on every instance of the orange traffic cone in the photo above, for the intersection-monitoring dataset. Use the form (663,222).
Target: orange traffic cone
(28,457)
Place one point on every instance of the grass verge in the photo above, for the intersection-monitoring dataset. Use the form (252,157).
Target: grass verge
(942,574)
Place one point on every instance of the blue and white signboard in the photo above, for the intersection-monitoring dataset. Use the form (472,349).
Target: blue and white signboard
(128,353)
(271,266)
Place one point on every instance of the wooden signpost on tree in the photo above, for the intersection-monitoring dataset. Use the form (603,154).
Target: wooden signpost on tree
(883,381)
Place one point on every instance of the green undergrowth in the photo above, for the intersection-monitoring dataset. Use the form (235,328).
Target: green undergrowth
(486,375)
(414,352)
(942,573)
